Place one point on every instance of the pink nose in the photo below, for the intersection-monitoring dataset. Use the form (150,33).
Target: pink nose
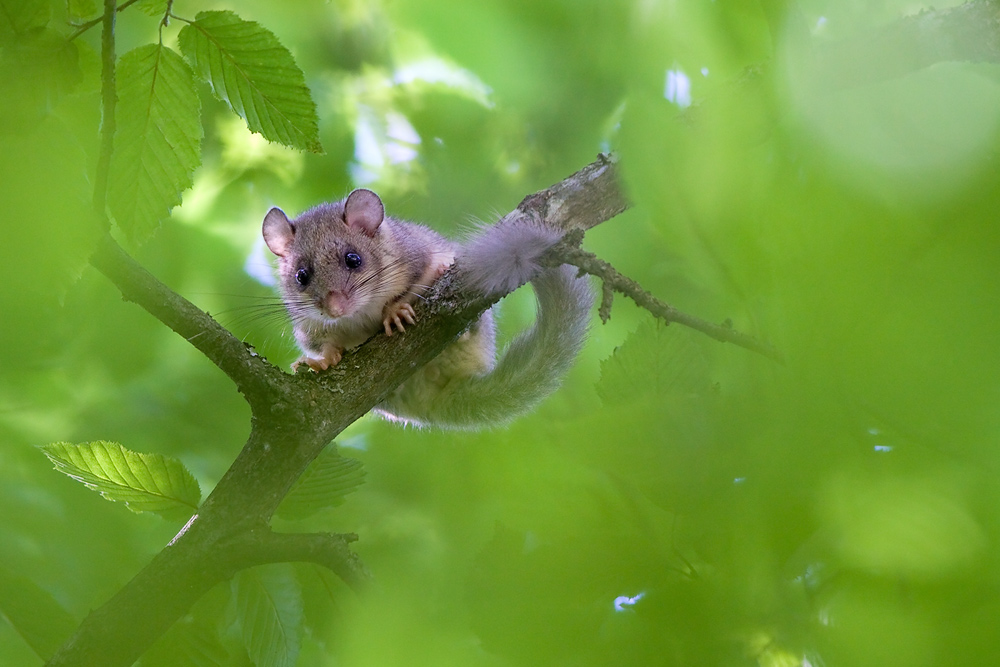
(337,304)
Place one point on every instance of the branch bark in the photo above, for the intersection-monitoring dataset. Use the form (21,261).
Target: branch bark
(254,377)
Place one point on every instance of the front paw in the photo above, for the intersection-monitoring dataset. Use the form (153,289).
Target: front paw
(395,313)
(315,364)
(331,357)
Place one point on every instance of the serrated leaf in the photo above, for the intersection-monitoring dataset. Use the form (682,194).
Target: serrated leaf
(20,16)
(323,485)
(655,361)
(144,482)
(157,138)
(249,69)
(269,613)
(34,614)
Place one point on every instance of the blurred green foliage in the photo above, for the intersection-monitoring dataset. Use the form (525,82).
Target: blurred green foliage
(679,501)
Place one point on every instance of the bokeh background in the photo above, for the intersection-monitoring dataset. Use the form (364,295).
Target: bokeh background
(678,501)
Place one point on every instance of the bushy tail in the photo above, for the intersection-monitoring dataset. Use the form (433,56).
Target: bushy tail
(501,258)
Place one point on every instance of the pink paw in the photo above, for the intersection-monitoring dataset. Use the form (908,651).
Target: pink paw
(395,313)
(331,357)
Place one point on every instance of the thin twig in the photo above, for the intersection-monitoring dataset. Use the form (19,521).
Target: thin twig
(567,252)
(84,27)
(252,376)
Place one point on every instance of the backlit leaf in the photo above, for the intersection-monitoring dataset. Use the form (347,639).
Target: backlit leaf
(144,482)
(255,74)
(157,138)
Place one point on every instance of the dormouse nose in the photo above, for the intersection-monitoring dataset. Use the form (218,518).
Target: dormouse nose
(337,304)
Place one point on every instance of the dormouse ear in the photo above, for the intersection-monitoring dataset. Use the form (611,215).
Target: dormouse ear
(278,232)
(363,210)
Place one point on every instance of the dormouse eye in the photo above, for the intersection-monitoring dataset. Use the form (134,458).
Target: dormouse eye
(353,260)
(302,277)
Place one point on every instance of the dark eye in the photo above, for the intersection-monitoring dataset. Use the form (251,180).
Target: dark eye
(302,277)
(353,260)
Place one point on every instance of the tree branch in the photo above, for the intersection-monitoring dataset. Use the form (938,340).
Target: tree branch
(568,253)
(255,378)
(329,550)
(584,200)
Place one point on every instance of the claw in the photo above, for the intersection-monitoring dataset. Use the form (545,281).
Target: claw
(395,315)
(315,364)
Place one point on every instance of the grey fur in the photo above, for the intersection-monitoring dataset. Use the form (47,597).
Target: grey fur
(465,386)
(532,366)
(500,258)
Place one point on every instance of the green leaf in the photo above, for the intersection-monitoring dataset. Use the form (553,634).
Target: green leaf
(52,190)
(323,485)
(157,138)
(144,482)
(81,9)
(20,16)
(653,362)
(269,612)
(152,7)
(34,614)
(37,69)
(255,74)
